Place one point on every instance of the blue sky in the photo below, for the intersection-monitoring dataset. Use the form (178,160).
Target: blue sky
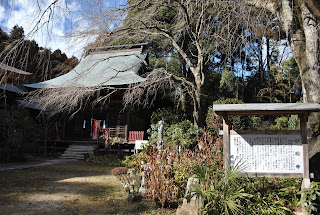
(73,18)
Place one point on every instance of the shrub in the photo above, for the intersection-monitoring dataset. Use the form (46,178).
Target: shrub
(19,133)
(210,154)
(286,123)
(177,132)
(182,134)
(219,190)
(134,160)
(167,114)
(168,171)
(228,193)
(119,171)
(270,195)
(310,197)
(159,179)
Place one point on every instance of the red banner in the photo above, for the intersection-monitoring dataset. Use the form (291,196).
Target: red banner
(106,132)
(106,135)
(95,132)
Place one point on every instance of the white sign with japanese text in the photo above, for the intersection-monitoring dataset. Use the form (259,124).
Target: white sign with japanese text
(267,153)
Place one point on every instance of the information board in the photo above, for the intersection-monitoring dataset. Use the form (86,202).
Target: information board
(267,153)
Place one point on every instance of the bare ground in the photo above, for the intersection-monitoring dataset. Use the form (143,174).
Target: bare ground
(72,188)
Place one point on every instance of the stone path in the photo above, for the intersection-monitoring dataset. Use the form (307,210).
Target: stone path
(31,165)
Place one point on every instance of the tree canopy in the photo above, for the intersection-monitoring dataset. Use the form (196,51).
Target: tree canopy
(194,44)
(26,55)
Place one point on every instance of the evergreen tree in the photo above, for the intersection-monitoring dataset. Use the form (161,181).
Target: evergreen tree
(16,33)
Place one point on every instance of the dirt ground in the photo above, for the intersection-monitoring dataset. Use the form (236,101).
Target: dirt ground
(73,188)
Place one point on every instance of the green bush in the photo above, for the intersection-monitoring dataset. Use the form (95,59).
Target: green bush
(182,134)
(228,193)
(176,133)
(293,123)
(270,195)
(286,123)
(220,190)
(310,198)
(167,114)
(134,160)
(19,133)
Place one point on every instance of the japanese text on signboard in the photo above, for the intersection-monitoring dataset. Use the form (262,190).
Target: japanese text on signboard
(267,153)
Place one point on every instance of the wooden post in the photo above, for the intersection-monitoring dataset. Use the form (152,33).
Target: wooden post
(226,142)
(126,132)
(305,150)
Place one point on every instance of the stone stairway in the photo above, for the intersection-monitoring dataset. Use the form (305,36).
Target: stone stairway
(79,152)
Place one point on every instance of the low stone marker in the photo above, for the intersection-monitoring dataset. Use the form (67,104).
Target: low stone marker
(190,207)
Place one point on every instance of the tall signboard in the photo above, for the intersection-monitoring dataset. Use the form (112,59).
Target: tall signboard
(268,153)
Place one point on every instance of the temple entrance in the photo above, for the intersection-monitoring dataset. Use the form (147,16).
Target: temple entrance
(79,128)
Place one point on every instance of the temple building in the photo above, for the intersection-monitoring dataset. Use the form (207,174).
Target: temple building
(115,66)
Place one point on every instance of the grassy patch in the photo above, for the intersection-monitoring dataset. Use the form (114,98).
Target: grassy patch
(72,188)
(110,160)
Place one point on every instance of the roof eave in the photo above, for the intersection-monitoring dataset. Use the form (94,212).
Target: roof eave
(266,109)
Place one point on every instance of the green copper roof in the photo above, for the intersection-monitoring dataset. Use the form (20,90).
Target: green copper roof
(109,68)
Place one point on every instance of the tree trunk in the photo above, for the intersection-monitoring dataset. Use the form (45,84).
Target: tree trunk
(261,69)
(197,111)
(304,42)
(269,85)
(311,75)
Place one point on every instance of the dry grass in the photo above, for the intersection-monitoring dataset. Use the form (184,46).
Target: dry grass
(73,188)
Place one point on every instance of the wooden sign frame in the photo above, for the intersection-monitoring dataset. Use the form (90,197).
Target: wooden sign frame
(302,109)
(305,150)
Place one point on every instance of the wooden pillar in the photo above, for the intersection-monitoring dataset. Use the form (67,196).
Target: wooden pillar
(226,142)
(305,150)
(126,132)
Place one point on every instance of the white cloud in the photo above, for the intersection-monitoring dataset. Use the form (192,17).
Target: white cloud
(50,34)
(2,12)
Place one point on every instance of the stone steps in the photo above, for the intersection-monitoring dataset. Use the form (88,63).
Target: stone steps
(79,152)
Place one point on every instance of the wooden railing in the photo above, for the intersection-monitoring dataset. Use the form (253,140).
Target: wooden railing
(119,131)
(122,131)
(135,135)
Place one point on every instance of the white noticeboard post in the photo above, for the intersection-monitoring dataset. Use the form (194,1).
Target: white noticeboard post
(267,153)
